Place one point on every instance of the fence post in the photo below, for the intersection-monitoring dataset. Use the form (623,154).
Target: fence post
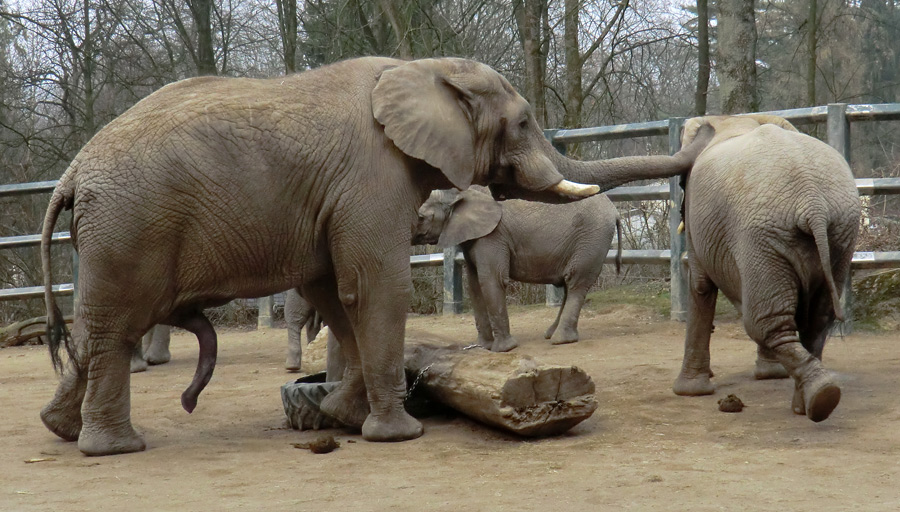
(453,287)
(838,128)
(554,294)
(678,286)
(265,306)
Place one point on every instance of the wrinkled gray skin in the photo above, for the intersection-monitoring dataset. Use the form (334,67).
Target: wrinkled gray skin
(559,244)
(772,217)
(213,188)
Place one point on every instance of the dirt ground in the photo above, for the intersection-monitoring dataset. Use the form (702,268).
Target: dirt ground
(643,449)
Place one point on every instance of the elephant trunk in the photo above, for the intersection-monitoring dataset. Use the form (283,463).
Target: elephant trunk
(611,173)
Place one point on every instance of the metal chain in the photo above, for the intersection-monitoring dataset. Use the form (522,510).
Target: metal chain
(417,380)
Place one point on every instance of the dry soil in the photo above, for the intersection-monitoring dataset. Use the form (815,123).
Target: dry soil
(643,449)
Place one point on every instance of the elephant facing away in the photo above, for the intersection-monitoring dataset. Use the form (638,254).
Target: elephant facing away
(298,313)
(771,218)
(531,242)
(215,188)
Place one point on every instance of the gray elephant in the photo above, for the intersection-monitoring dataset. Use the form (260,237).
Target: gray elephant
(214,188)
(771,217)
(559,244)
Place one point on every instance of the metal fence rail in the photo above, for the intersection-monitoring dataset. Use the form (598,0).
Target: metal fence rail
(837,117)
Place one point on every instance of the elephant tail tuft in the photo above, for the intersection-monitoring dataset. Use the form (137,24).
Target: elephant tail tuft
(818,227)
(618,245)
(57,333)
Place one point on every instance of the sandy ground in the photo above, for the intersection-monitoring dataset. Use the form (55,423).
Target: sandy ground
(644,448)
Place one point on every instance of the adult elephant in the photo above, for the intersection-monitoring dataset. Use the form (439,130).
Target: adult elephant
(211,189)
(772,217)
(531,242)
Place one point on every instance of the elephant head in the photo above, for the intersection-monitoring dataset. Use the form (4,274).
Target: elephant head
(450,217)
(465,119)
(728,127)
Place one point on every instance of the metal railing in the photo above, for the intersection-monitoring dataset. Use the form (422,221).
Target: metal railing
(837,118)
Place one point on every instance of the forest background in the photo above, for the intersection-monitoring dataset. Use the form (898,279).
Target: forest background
(68,67)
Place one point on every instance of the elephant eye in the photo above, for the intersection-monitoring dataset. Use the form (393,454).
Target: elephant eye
(523,123)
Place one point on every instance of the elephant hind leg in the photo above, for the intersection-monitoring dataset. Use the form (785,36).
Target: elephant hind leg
(106,410)
(770,303)
(695,370)
(348,402)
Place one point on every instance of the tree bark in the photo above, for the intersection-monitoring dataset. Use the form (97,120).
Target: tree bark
(736,66)
(529,15)
(574,62)
(287,27)
(201,10)
(702,57)
(400,26)
(812,26)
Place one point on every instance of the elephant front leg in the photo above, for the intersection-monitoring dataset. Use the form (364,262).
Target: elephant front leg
(156,344)
(695,371)
(106,410)
(138,363)
(479,308)
(376,302)
(494,293)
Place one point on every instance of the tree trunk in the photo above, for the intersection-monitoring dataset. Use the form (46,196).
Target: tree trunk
(287,26)
(574,93)
(201,10)
(509,391)
(702,57)
(736,66)
(529,15)
(401,28)
(812,25)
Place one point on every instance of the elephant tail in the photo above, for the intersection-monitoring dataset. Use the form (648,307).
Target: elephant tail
(818,227)
(618,245)
(57,333)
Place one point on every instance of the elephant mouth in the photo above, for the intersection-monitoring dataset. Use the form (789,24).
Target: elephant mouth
(424,240)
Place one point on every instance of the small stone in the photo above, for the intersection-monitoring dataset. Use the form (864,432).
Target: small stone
(731,403)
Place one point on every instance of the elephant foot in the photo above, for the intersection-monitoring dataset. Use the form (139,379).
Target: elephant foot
(110,441)
(698,385)
(484,342)
(818,397)
(155,357)
(347,404)
(504,344)
(564,336)
(292,363)
(769,369)
(63,421)
(394,426)
(138,364)
(549,332)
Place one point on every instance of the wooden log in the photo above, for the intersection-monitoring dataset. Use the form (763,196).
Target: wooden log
(21,332)
(510,391)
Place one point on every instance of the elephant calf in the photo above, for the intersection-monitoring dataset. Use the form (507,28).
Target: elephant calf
(526,241)
(771,218)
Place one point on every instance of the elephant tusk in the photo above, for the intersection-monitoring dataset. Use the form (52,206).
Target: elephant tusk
(572,189)
(681,228)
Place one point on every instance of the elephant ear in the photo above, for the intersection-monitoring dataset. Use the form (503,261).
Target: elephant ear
(474,215)
(425,109)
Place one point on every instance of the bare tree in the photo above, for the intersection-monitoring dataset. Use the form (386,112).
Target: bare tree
(531,17)
(702,57)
